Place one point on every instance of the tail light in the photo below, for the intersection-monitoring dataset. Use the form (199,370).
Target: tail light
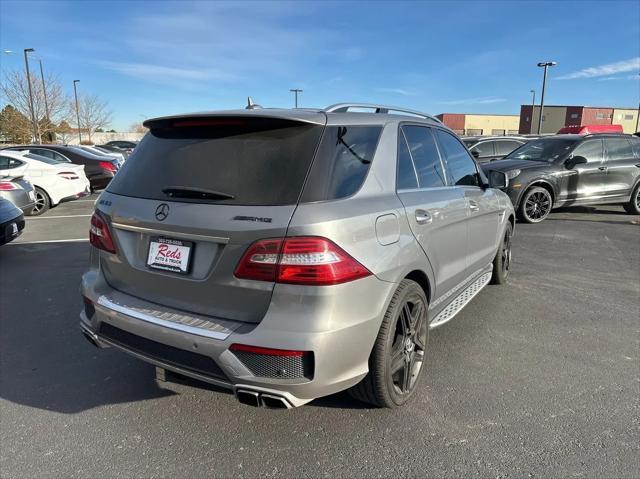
(100,235)
(8,186)
(68,175)
(107,165)
(308,260)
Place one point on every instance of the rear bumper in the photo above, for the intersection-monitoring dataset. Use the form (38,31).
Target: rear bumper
(339,341)
(11,229)
(100,180)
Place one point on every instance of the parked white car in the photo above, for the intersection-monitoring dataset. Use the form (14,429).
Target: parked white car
(54,182)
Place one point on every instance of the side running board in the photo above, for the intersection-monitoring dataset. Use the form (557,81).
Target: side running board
(460,301)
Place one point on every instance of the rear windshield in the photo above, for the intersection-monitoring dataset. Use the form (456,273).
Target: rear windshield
(43,159)
(545,149)
(257,161)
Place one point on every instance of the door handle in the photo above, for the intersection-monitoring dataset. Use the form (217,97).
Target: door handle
(423,217)
(473,206)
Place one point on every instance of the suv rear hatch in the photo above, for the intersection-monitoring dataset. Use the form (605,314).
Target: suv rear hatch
(206,187)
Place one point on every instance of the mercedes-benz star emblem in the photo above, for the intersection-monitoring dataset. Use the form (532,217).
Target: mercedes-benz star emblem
(162,211)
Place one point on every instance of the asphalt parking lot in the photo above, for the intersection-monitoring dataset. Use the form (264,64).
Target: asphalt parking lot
(538,378)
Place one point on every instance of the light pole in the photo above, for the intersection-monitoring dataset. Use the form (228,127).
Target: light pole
(75,92)
(544,65)
(295,91)
(33,113)
(44,90)
(533,107)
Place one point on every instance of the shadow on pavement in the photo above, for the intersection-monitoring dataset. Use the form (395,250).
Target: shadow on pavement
(46,362)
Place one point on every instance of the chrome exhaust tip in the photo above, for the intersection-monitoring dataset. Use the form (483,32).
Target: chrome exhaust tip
(90,339)
(274,402)
(250,398)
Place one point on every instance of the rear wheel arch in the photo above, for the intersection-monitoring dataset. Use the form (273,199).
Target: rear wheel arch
(422,279)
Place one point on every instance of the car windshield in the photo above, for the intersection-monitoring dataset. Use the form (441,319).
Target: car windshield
(43,159)
(546,149)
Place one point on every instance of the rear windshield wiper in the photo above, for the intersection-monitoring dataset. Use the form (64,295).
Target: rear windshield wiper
(195,193)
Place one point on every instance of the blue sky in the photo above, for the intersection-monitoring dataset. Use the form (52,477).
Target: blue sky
(151,58)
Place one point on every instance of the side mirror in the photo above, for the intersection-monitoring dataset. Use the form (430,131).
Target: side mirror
(475,153)
(571,163)
(498,179)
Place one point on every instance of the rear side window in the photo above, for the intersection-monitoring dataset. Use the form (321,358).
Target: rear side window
(592,150)
(424,153)
(484,149)
(239,161)
(635,144)
(342,162)
(504,147)
(406,178)
(618,149)
(7,163)
(462,168)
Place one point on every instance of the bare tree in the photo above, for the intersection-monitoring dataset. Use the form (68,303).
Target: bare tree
(94,113)
(15,90)
(138,128)
(64,132)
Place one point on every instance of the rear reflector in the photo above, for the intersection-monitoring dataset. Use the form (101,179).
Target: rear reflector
(8,186)
(100,235)
(308,260)
(245,348)
(68,175)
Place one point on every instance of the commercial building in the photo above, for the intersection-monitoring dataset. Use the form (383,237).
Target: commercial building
(558,116)
(470,124)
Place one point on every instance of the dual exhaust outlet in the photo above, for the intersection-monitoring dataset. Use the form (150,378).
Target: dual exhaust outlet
(257,399)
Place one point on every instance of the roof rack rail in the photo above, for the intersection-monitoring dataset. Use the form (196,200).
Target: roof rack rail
(344,107)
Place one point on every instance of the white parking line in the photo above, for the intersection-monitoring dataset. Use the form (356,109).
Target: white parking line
(52,217)
(74,240)
(84,201)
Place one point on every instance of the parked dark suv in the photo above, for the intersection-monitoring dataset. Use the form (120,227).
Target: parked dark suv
(567,170)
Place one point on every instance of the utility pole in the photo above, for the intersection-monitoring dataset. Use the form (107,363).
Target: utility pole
(44,93)
(33,113)
(75,92)
(295,91)
(533,107)
(544,65)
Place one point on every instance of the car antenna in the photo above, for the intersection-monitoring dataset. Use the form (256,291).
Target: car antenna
(251,105)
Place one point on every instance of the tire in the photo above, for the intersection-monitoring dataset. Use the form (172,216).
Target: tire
(502,260)
(633,207)
(535,205)
(43,203)
(401,342)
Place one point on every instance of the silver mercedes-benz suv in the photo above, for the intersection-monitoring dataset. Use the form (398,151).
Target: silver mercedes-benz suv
(290,254)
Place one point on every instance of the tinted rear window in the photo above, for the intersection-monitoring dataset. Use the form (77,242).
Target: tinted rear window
(258,161)
(342,162)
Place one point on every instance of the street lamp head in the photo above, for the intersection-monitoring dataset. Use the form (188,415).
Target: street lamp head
(76,81)
(29,50)
(547,64)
